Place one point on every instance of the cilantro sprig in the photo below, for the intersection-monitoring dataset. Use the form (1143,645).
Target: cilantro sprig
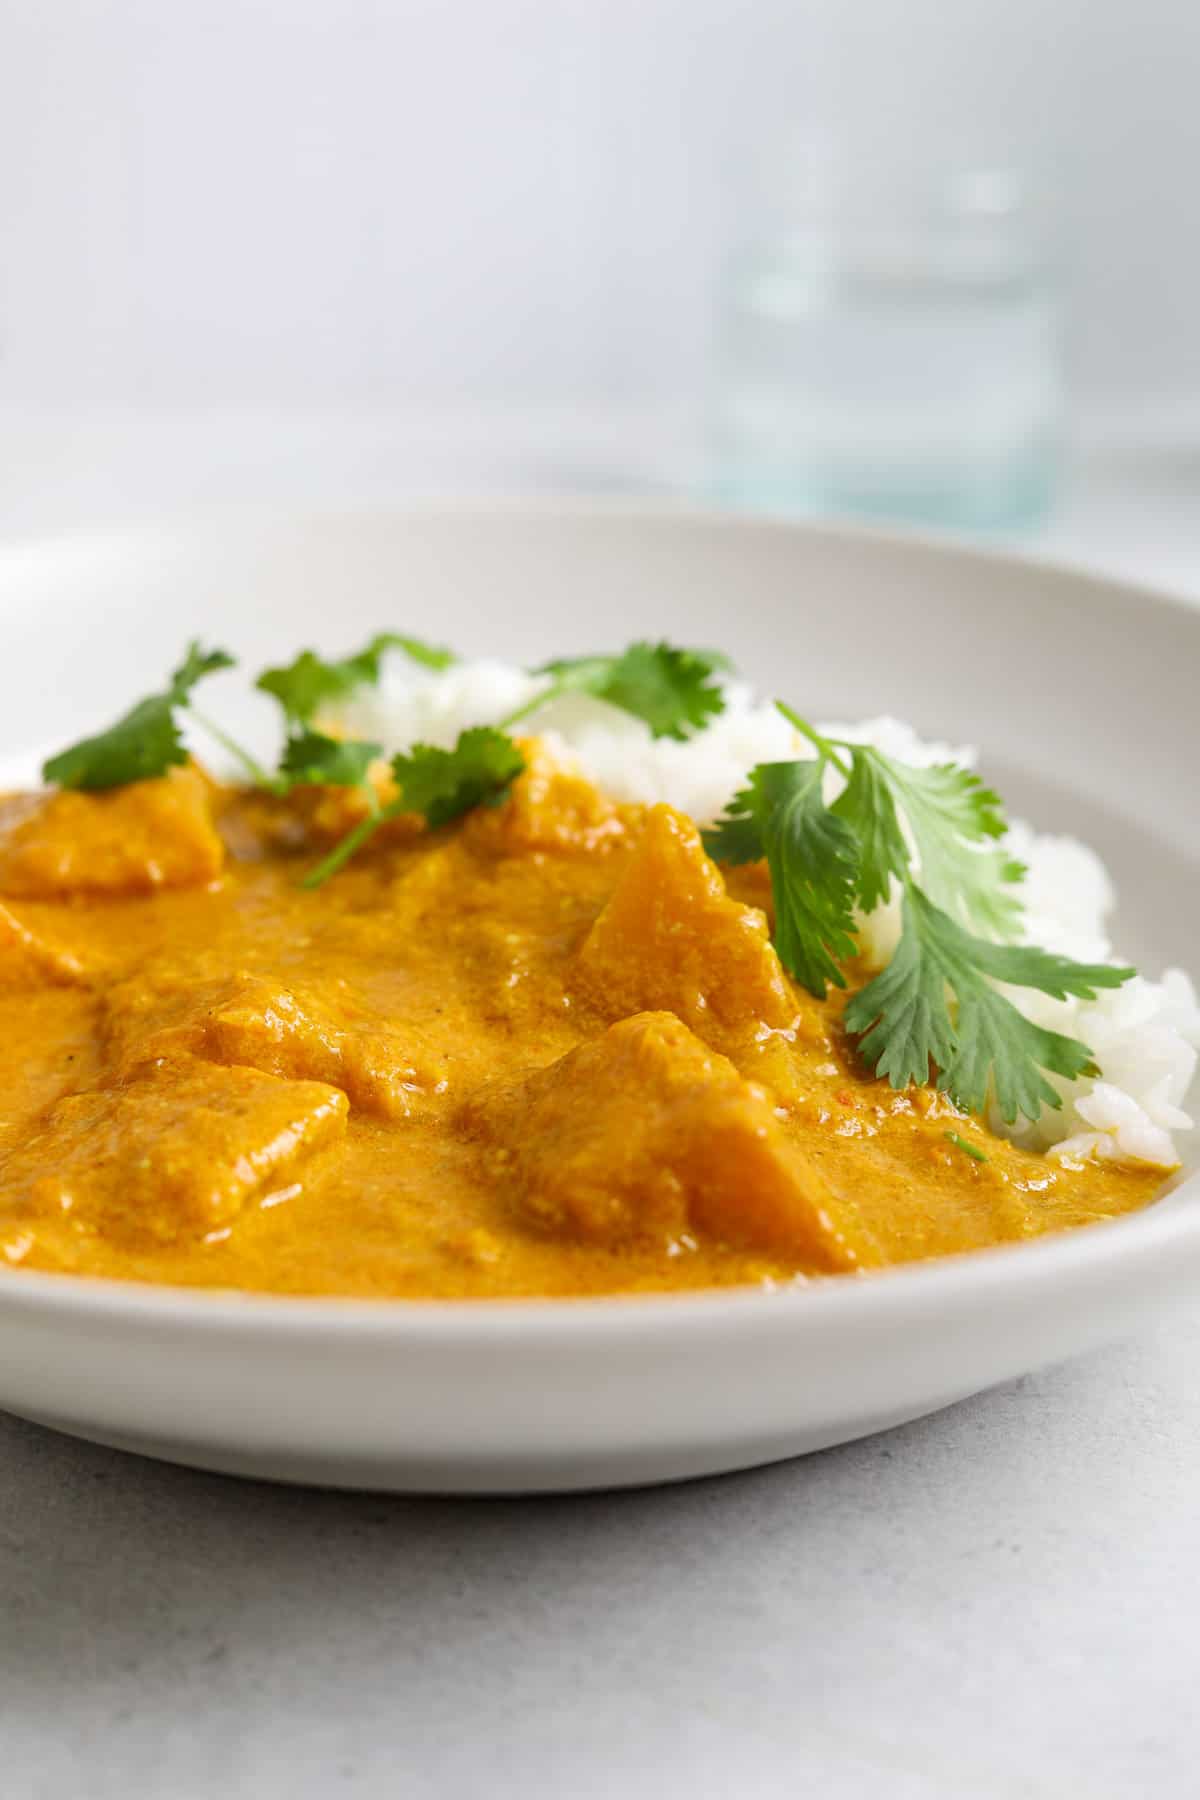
(904,1023)
(310,682)
(145,741)
(671,690)
(934,1012)
(438,785)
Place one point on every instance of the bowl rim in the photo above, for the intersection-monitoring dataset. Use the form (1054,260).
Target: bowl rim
(656,509)
(1165,1233)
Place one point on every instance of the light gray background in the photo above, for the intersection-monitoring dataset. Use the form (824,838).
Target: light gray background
(382,203)
(1000,1601)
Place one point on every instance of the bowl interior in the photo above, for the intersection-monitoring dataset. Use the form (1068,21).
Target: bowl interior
(1078,692)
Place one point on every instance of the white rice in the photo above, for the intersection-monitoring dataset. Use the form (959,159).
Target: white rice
(1145,1034)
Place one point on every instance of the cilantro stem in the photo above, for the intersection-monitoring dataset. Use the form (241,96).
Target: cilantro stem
(254,769)
(965,1145)
(553,692)
(819,743)
(353,841)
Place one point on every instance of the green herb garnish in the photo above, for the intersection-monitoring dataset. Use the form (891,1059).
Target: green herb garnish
(309,682)
(144,742)
(813,857)
(442,784)
(430,656)
(670,690)
(439,785)
(966,1146)
(904,1020)
(311,759)
(933,1011)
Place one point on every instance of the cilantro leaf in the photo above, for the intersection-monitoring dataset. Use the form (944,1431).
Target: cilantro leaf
(867,807)
(904,1021)
(303,686)
(144,742)
(197,663)
(312,759)
(309,682)
(441,784)
(813,857)
(950,817)
(947,808)
(737,837)
(670,690)
(430,656)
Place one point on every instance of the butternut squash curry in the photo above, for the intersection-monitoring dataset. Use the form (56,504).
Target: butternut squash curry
(468,1028)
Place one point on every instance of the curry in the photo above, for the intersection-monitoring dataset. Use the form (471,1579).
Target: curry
(549,1049)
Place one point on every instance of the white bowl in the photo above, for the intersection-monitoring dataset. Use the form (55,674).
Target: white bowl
(1080,694)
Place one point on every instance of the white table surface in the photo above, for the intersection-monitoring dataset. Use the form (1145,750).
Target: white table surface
(1003,1600)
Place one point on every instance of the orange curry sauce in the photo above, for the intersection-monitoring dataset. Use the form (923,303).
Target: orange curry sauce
(548,1050)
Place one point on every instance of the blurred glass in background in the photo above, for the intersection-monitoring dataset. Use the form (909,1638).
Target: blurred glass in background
(888,343)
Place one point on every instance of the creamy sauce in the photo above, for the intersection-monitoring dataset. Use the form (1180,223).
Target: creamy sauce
(545,1051)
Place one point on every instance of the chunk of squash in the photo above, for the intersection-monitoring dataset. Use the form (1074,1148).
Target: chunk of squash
(646,1134)
(172,1154)
(262,1024)
(549,807)
(130,840)
(271,1027)
(671,938)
